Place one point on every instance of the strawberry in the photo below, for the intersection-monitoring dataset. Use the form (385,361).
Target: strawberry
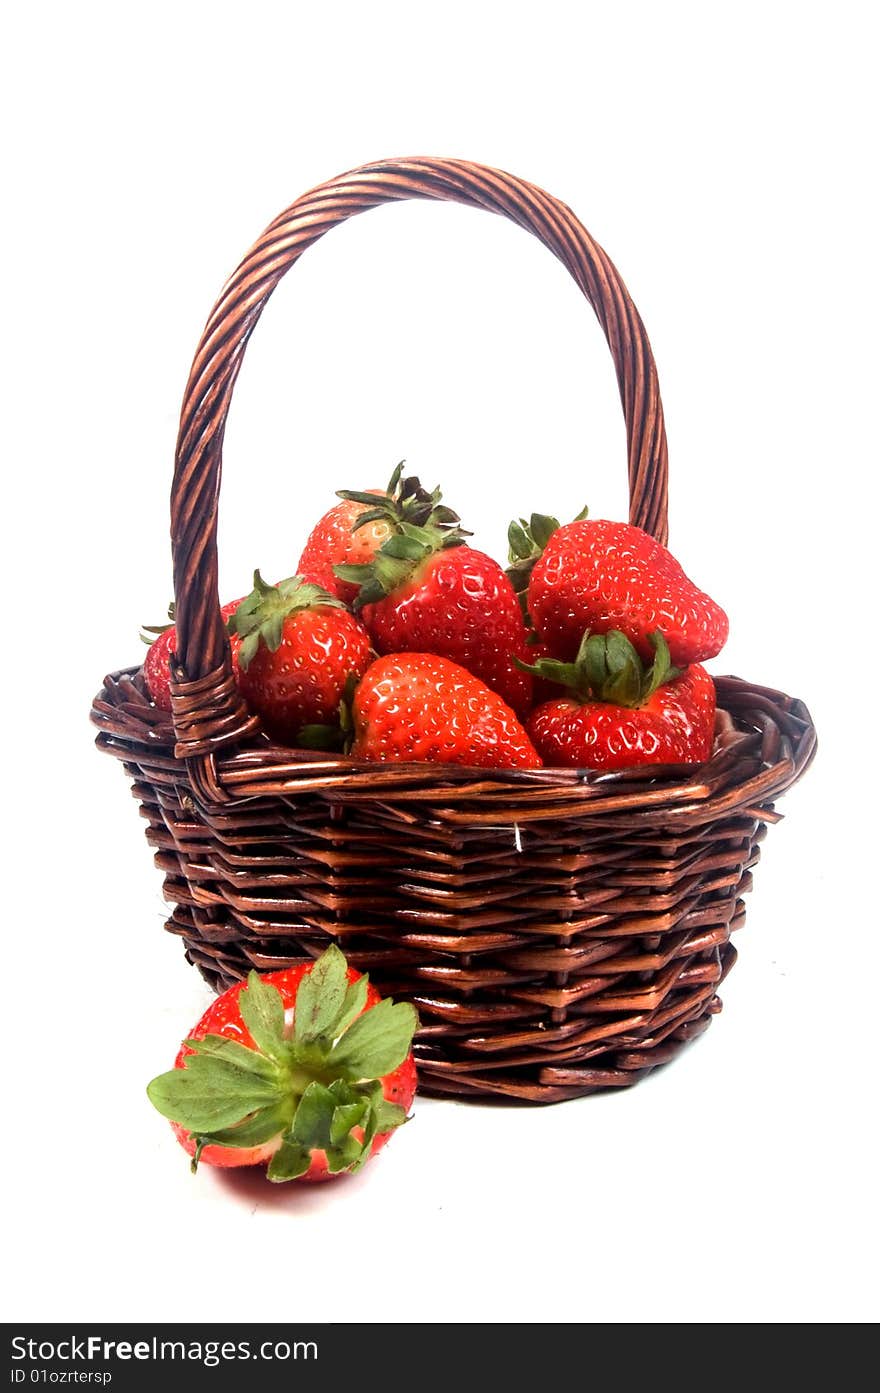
(300,652)
(307,1070)
(601,575)
(157,669)
(418,706)
(526,541)
(334,539)
(620,714)
(351,533)
(426,591)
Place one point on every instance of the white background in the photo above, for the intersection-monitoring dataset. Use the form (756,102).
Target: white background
(725,157)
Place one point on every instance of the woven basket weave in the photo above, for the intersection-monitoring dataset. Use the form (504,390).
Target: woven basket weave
(560,932)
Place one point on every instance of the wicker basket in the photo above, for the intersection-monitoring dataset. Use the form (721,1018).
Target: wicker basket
(560,932)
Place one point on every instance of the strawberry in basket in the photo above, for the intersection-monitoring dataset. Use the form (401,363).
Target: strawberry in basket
(599,574)
(300,652)
(425,590)
(307,1071)
(353,531)
(615,712)
(157,662)
(418,706)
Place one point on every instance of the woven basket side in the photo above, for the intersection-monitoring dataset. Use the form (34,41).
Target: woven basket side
(548,955)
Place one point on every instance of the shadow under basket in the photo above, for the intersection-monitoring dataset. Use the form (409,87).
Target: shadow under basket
(559,931)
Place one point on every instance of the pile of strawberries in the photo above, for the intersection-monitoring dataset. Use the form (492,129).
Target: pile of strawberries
(398,640)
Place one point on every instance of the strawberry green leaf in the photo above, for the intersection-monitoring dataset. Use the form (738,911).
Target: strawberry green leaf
(207,1094)
(519,545)
(371,515)
(404,548)
(591,660)
(385,1116)
(345,1156)
(233,1055)
(248,650)
(314,1117)
(395,478)
(608,668)
(389,570)
(346,1117)
(272,632)
(346,719)
(320,998)
(425,536)
(382,1116)
(369,500)
(566,674)
(388,1116)
(370,593)
(290,1161)
(261,1126)
(542,528)
(262,1011)
(321,737)
(353,1003)
(662,669)
(345,1092)
(624,682)
(376,1042)
(355,573)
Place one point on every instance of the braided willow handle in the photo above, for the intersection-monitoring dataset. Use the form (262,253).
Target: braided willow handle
(207,710)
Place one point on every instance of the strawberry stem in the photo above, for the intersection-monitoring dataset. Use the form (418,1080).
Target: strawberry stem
(608,668)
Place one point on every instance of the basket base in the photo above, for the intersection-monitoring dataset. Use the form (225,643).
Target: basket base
(556,1083)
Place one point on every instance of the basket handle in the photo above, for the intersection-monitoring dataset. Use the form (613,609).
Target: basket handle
(208,712)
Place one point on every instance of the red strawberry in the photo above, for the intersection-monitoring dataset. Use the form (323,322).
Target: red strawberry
(618,714)
(351,533)
(601,575)
(300,651)
(307,1070)
(427,592)
(526,540)
(334,540)
(418,706)
(157,671)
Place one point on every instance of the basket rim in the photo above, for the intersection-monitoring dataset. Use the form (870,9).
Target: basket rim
(764,743)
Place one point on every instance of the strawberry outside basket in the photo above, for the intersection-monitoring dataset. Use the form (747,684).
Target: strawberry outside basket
(559,932)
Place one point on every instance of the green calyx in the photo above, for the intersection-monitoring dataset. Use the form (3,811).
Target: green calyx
(260,616)
(338,737)
(608,668)
(526,541)
(421,525)
(150,632)
(311,1082)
